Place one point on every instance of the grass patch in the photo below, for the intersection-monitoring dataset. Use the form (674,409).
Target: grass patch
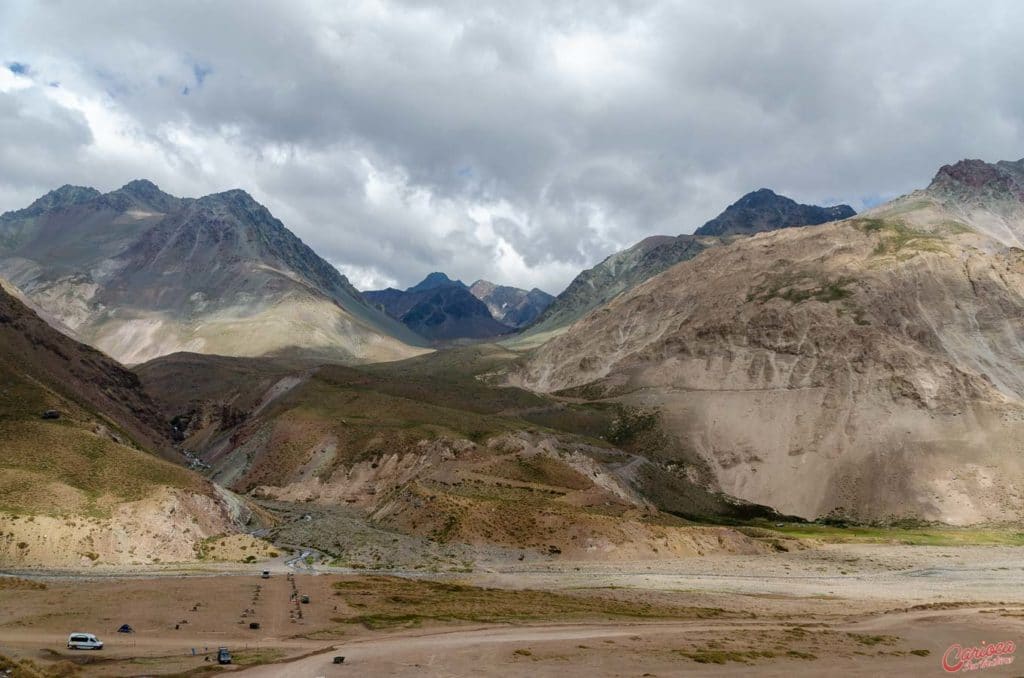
(26,668)
(912,536)
(797,287)
(392,602)
(872,640)
(717,656)
(257,656)
(18,584)
(541,470)
(896,237)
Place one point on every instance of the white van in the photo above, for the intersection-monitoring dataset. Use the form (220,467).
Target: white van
(84,641)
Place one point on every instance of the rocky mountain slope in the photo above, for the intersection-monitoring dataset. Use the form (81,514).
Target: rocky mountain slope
(425,452)
(755,212)
(76,489)
(621,271)
(868,369)
(439,309)
(140,273)
(511,306)
(764,210)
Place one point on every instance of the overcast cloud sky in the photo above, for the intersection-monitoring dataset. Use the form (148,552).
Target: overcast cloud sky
(514,141)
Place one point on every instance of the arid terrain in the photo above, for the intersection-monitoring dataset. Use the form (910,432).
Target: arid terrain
(861,609)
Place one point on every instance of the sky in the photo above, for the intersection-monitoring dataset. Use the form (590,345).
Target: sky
(519,142)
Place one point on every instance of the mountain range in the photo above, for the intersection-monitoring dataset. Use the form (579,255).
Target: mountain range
(140,273)
(439,308)
(755,212)
(867,369)
(784,361)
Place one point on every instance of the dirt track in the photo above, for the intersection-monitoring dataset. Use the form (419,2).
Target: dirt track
(632,649)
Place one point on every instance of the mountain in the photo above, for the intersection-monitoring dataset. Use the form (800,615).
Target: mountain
(755,212)
(433,281)
(140,273)
(76,487)
(868,369)
(621,271)
(989,198)
(439,309)
(423,463)
(510,305)
(765,210)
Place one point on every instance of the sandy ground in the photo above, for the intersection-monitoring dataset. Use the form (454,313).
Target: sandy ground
(861,610)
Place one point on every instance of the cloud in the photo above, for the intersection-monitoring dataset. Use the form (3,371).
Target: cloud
(518,142)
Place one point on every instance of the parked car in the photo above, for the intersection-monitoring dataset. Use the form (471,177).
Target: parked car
(84,641)
(265,575)
(223,656)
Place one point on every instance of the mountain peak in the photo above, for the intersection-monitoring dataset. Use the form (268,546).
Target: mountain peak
(142,193)
(762,195)
(973,176)
(766,210)
(511,306)
(65,196)
(434,280)
(234,194)
(140,187)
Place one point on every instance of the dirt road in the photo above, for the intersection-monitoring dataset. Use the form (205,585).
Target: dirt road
(588,650)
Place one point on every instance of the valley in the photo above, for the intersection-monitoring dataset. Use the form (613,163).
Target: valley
(805,430)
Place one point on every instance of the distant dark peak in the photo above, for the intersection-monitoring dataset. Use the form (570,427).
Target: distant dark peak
(240,204)
(972,175)
(141,193)
(69,193)
(234,197)
(766,210)
(141,187)
(762,196)
(59,198)
(434,280)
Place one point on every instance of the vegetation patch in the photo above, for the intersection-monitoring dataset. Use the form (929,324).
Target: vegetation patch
(896,237)
(236,548)
(798,287)
(382,602)
(26,668)
(541,470)
(717,656)
(925,535)
(872,640)
(630,423)
(19,584)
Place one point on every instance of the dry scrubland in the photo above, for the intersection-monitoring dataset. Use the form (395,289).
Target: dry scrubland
(874,612)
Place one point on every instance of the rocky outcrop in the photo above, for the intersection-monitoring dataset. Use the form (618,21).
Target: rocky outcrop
(511,306)
(764,210)
(620,272)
